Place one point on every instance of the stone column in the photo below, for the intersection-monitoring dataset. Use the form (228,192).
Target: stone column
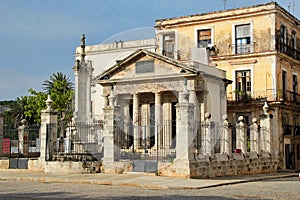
(254,136)
(135,120)
(145,122)
(108,135)
(167,125)
(203,104)
(184,128)
(266,130)
(158,124)
(193,100)
(127,124)
(111,150)
(206,148)
(23,135)
(241,142)
(226,136)
(48,131)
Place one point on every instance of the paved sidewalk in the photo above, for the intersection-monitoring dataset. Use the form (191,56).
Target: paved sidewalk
(136,179)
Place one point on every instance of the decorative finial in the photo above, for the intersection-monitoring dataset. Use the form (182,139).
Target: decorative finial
(82,47)
(49,102)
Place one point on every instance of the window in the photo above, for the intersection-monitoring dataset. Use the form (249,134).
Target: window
(283,38)
(243,81)
(285,118)
(295,87)
(169,45)
(284,81)
(204,38)
(293,42)
(242,39)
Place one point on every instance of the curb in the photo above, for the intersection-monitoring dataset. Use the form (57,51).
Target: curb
(140,185)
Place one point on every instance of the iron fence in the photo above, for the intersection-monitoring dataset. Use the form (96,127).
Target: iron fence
(80,141)
(25,147)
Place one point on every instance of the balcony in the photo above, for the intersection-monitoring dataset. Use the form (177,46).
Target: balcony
(288,96)
(288,50)
(270,95)
(242,48)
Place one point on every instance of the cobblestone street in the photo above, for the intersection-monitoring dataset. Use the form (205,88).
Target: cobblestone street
(283,188)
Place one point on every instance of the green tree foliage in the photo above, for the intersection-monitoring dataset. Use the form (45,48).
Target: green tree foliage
(29,107)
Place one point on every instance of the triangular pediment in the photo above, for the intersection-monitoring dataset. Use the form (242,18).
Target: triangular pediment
(145,64)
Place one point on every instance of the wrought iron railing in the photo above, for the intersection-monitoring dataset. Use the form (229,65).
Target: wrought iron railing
(269,95)
(288,50)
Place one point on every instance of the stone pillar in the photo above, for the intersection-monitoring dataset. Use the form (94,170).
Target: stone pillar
(111,150)
(158,124)
(145,124)
(1,131)
(88,91)
(203,107)
(266,130)
(108,135)
(226,137)
(135,120)
(48,131)
(254,136)
(184,128)
(23,135)
(206,148)
(167,125)
(193,100)
(83,78)
(241,142)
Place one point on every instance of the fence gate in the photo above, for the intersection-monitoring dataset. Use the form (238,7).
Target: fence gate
(146,145)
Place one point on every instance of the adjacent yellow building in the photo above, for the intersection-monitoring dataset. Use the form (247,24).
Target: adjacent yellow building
(258,47)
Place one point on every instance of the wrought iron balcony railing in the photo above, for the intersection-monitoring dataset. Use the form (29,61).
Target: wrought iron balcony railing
(270,95)
(288,50)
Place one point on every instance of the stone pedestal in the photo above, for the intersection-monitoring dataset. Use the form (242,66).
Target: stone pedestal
(226,137)
(23,135)
(111,150)
(184,128)
(254,137)
(48,132)
(241,142)
(266,143)
(206,147)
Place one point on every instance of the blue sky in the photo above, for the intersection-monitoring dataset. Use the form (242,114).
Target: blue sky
(38,37)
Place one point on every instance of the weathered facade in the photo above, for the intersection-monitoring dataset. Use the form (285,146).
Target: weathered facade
(258,47)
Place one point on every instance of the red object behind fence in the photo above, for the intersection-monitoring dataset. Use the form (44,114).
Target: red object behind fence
(6,146)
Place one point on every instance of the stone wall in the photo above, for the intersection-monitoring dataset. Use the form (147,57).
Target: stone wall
(117,167)
(85,167)
(4,163)
(221,165)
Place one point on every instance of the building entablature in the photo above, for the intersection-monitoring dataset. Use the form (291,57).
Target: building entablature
(225,15)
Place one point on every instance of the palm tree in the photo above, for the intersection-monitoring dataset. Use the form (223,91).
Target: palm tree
(59,82)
